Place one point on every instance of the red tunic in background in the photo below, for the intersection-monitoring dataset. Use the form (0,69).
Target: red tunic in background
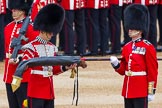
(147,2)
(120,2)
(2,6)
(97,4)
(72,4)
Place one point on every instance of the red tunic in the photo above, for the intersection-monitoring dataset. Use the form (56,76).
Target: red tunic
(12,30)
(147,2)
(72,4)
(160,2)
(38,85)
(2,6)
(140,58)
(97,4)
(120,2)
(37,5)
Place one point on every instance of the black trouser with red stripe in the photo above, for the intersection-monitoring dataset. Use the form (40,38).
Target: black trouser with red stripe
(136,102)
(74,19)
(97,29)
(4,20)
(115,27)
(15,99)
(1,37)
(160,23)
(152,36)
(40,103)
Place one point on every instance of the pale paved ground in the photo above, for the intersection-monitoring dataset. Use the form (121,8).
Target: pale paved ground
(99,87)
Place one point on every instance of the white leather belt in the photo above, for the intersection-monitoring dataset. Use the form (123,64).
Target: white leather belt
(8,55)
(44,73)
(131,73)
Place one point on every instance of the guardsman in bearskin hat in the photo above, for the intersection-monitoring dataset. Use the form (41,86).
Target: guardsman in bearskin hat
(19,10)
(48,21)
(139,61)
(37,5)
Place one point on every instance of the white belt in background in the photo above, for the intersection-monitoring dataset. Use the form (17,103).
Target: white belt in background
(44,73)
(131,73)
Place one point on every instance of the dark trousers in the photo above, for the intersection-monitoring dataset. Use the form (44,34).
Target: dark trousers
(15,99)
(74,25)
(136,102)
(97,29)
(92,30)
(40,103)
(4,20)
(2,24)
(115,25)
(152,36)
(160,23)
(104,29)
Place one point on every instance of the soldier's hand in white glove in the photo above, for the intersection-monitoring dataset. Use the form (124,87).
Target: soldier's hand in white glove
(114,62)
(151,97)
(13,61)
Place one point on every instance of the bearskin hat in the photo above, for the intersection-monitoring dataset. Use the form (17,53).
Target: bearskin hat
(24,5)
(50,19)
(136,17)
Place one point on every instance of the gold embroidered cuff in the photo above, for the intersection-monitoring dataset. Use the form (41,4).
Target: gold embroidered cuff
(151,87)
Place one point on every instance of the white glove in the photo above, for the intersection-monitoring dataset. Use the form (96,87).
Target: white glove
(13,61)
(151,97)
(114,61)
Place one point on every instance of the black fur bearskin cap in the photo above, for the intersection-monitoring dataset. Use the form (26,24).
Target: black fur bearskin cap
(136,17)
(50,19)
(23,5)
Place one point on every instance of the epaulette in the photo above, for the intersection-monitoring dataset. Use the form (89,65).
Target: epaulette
(147,42)
(28,46)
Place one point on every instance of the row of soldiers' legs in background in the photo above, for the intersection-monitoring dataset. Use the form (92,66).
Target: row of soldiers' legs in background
(159,48)
(95,31)
(103,33)
(1,37)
